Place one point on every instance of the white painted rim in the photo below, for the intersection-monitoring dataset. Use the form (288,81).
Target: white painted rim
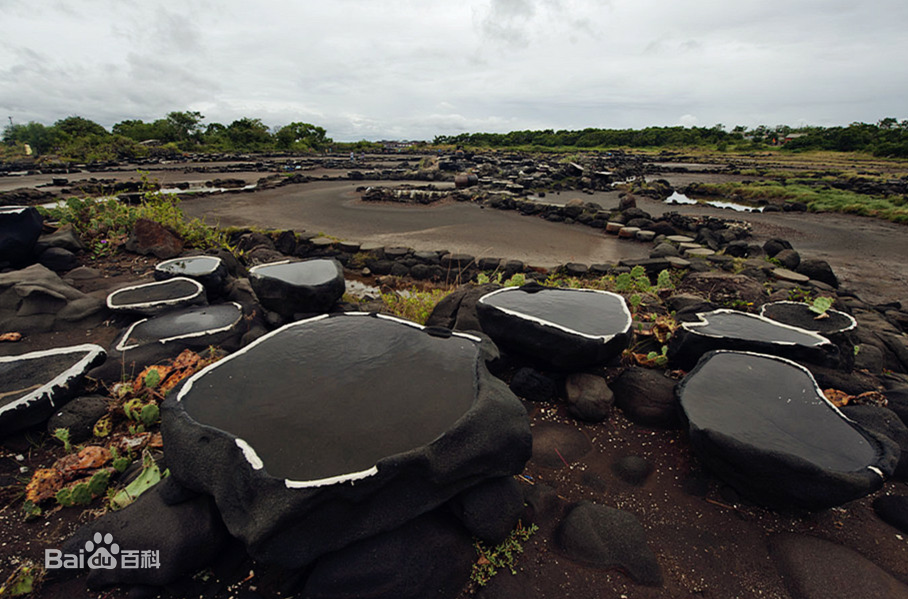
(121,347)
(158,303)
(249,453)
(703,316)
(217,264)
(555,325)
(816,387)
(92,352)
(852,322)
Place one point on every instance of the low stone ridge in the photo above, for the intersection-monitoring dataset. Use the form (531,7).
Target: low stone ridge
(210,271)
(340,427)
(762,424)
(606,537)
(741,331)
(20,227)
(799,314)
(307,287)
(34,385)
(565,329)
(151,299)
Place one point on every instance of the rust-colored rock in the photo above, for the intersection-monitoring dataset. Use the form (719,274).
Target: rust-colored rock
(149,237)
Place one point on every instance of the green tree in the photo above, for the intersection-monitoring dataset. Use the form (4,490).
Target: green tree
(248,134)
(76,126)
(301,134)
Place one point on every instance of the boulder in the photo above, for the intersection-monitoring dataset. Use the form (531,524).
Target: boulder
(632,469)
(557,445)
(35,384)
(322,430)
(762,424)
(65,237)
(532,385)
(307,287)
(430,556)
(565,329)
(210,271)
(79,417)
(887,423)
(150,299)
(605,537)
(647,397)
(588,396)
(35,299)
(814,568)
(58,259)
(149,237)
(818,270)
(740,331)
(187,536)
(20,227)
(457,310)
(490,510)
(893,510)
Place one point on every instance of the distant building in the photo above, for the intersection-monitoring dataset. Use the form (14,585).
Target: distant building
(397,145)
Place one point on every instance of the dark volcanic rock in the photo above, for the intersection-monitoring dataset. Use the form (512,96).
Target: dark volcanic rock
(491,509)
(893,509)
(79,417)
(887,423)
(567,329)
(632,469)
(457,310)
(588,396)
(533,385)
(210,271)
(34,385)
(36,299)
(323,430)
(762,424)
(187,536)
(605,537)
(429,557)
(798,314)
(740,331)
(814,568)
(818,270)
(556,445)
(150,299)
(20,227)
(307,287)
(647,397)
(149,237)
(58,259)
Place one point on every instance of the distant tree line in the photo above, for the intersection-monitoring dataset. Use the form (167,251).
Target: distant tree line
(81,139)
(888,137)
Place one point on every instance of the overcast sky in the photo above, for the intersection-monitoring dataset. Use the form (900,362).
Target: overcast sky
(394,69)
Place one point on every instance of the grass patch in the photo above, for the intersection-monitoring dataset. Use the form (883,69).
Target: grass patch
(818,199)
(503,556)
(413,304)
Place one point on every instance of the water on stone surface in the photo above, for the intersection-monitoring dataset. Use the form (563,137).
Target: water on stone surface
(334,396)
(191,267)
(185,322)
(311,272)
(739,325)
(773,406)
(588,312)
(154,292)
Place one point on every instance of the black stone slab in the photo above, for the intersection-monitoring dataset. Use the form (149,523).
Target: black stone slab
(307,287)
(740,331)
(34,385)
(204,326)
(153,298)
(210,271)
(762,424)
(567,329)
(799,314)
(339,427)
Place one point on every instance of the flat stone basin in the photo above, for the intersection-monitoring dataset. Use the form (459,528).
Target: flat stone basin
(765,426)
(353,412)
(33,385)
(799,314)
(204,324)
(192,266)
(289,288)
(338,427)
(154,298)
(564,328)
(731,329)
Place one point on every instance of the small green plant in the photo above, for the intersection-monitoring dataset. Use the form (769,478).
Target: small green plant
(62,435)
(517,280)
(120,463)
(146,414)
(148,477)
(413,304)
(98,483)
(659,359)
(152,379)
(81,494)
(821,305)
(664,280)
(504,555)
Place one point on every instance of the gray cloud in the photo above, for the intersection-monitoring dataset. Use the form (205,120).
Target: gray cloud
(405,68)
